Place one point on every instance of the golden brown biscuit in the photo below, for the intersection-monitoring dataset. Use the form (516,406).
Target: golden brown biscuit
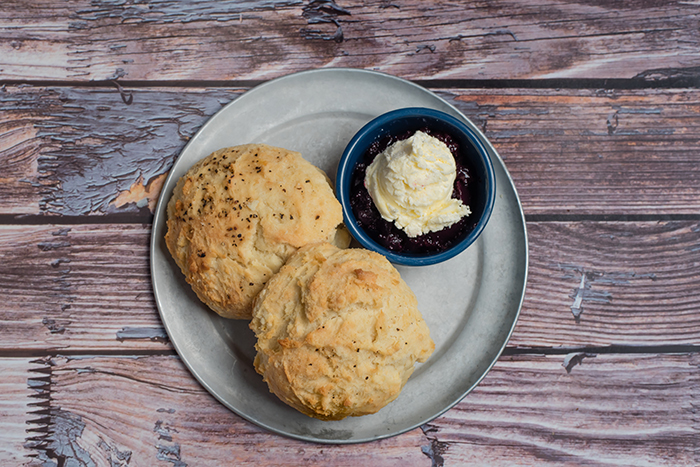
(238,214)
(338,332)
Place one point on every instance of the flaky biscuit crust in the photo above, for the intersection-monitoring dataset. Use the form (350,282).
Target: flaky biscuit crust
(238,214)
(338,332)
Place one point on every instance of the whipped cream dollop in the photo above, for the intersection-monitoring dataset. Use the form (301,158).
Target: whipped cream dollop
(411,184)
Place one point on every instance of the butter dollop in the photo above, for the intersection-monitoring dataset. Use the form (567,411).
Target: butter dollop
(411,184)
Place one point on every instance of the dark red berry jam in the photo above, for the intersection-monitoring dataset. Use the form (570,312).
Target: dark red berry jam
(386,233)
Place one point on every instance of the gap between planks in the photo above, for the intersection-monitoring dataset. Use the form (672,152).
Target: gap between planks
(147,218)
(508,351)
(671,82)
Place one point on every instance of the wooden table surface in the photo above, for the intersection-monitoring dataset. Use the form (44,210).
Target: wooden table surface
(593,106)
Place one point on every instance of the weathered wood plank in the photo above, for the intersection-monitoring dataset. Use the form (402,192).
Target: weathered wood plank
(81,148)
(21,187)
(210,40)
(608,283)
(150,410)
(83,151)
(88,287)
(595,151)
(78,287)
(616,410)
(609,410)
(20,401)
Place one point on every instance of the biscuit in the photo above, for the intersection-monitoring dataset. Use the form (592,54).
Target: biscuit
(238,214)
(338,332)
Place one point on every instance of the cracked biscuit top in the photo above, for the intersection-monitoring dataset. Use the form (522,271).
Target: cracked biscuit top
(338,332)
(238,214)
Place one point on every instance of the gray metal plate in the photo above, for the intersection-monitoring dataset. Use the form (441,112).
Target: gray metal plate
(471,302)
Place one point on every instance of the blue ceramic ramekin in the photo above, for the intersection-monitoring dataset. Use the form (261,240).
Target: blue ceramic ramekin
(411,119)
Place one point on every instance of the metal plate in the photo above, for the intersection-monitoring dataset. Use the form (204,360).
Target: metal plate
(471,302)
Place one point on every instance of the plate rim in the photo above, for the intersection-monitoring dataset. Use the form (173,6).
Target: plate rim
(161,211)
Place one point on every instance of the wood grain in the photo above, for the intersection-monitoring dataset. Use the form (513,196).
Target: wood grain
(611,283)
(87,288)
(89,147)
(616,410)
(149,411)
(593,106)
(210,40)
(609,410)
(21,184)
(19,386)
(76,151)
(606,152)
(78,287)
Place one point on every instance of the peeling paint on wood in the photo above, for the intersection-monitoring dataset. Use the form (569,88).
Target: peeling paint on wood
(612,123)
(154,334)
(163,432)
(576,308)
(319,12)
(573,359)
(171,419)
(666,74)
(115,457)
(584,290)
(593,152)
(99,156)
(600,173)
(217,40)
(141,194)
(77,288)
(168,450)
(435,449)
(528,411)
(53,326)
(635,291)
(104,138)
(63,444)
(97,151)
(170,453)
(630,283)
